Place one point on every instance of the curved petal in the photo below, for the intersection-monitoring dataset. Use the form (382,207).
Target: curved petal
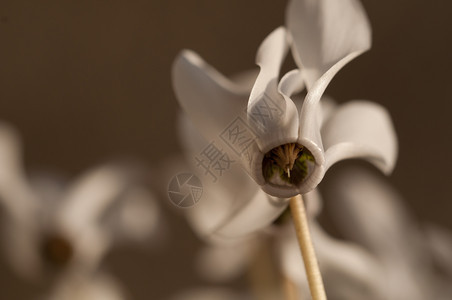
(209,99)
(348,264)
(260,211)
(231,207)
(439,244)
(360,129)
(90,196)
(369,211)
(227,212)
(311,121)
(225,262)
(16,193)
(272,115)
(269,58)
(324,32)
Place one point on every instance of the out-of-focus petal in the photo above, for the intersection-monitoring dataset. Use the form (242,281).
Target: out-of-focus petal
(138,216)
(360,129)
(15,191)
(439,243)
(255,213)
(90,245)
(210,294)
(78,286)
(350,272)
(90,196)
(228,212)
(325,32)
(20,242)
(368,211)
(340,262)
(225,211)
(209,99)
(225,261)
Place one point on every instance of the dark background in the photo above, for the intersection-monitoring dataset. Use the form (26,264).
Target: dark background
(87,80)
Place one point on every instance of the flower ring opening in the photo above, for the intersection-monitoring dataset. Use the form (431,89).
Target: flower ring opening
(287,165)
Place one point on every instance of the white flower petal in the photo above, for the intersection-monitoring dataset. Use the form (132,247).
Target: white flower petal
(138,216)
(226,261)
(90,196)
(324,32)
(311,121)
(224,210)
(439,243)
(211,293)
(360,129)
(227,212)
(273,117)
(209,99)
(75,286)
(255,213)
(269,58)
(368,211)
(16,193)
(339,261)
(347,264)
(291,83)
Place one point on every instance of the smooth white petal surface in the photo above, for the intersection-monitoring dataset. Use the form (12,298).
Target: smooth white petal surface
(360,129)
(325,32)
(311,122)
(273,117)
(209,99)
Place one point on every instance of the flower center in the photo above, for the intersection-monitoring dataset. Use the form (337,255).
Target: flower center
(56,250)
(287,165)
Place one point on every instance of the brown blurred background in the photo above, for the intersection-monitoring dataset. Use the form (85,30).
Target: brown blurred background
(85,81)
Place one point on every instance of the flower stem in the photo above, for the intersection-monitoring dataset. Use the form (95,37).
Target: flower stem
(307,250)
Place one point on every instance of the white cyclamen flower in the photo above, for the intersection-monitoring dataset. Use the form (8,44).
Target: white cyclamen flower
(324,35)
(292,149)
(75,286)
(369,212)
(49,226)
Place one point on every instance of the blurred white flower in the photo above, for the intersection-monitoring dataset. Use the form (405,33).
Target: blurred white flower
(51,227)
(75,286)
(211,293)
(370,213)
(290,150)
